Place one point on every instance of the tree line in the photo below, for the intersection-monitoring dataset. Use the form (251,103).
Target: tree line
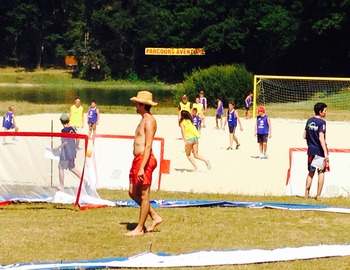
(109,37)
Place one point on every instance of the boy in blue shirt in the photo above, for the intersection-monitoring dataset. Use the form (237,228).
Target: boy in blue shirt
(68,152)
(315,135)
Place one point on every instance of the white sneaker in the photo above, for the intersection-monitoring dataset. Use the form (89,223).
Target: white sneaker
(208,165)
(266,156)
(261,156)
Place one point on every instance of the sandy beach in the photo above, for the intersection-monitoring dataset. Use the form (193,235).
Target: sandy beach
(233,171)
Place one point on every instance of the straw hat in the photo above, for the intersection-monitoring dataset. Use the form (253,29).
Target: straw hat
(144,97)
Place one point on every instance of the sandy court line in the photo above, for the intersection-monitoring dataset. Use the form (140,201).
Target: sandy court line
(233,171)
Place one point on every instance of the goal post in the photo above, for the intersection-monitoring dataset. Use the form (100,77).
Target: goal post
(336,181)
(295,93)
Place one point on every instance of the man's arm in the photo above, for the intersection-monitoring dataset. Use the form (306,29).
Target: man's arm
(322,138)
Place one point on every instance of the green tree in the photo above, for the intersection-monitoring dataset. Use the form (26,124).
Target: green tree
(31,31)
(230,82)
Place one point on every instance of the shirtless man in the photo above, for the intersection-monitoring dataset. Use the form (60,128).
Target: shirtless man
(143,164)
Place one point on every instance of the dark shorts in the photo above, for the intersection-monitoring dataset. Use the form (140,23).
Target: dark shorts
(66,164)
(232,129)
(262,138)
(9,127)
(92,126)
(218,116)
(149,168)
(313,169)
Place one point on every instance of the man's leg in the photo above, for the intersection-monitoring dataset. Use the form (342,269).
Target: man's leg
(61,179)
(231,140)
(141,195)
(320,184)
(76,172)
(308,184)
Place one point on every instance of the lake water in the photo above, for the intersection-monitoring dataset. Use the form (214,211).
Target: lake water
(103,96)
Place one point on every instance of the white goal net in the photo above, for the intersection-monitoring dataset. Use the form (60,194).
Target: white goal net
(29,170)
(290,93)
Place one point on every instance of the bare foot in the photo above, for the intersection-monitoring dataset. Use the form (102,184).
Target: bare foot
(154,224)
(60,188)
(134,233)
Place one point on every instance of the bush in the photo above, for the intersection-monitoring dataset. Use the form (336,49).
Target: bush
(230,82)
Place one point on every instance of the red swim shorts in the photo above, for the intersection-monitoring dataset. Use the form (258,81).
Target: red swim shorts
(149,168)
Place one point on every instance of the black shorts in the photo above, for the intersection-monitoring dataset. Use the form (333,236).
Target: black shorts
(262,138)
(232,129)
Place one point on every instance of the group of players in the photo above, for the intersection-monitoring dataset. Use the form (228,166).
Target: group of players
(314,133)
(196,112)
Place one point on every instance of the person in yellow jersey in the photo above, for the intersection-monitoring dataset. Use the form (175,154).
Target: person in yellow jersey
(184,105)
(76,116)
(190,136)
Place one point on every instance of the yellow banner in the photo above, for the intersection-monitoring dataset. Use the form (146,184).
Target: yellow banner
(175,51)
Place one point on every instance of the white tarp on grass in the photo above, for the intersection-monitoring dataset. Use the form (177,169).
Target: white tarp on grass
(200,258)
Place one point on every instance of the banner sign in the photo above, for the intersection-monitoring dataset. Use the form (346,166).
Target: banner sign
(175,51)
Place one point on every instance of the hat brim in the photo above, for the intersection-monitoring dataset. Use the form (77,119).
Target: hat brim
(143,101)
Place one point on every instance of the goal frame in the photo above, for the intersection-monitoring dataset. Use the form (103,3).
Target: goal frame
(258,78)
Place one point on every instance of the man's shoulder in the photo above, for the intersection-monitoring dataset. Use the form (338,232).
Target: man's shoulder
(148,117)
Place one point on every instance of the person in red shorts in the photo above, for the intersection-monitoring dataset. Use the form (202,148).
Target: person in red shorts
(143,164)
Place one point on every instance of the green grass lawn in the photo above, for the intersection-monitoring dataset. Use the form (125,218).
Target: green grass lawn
(42,232)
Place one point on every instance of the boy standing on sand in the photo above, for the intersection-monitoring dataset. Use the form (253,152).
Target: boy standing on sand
(263,131)
(232,119)
(93,119)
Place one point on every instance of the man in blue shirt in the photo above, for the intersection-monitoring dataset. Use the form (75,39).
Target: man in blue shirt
(315,135)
